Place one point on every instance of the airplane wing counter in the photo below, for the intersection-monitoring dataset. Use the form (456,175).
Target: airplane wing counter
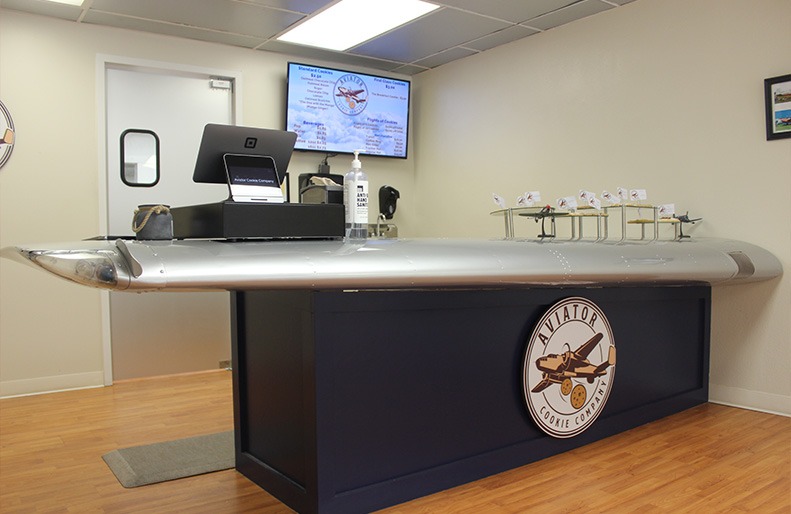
(504,343)
(190,265)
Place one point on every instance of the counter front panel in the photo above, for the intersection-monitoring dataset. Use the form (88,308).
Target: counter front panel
(349,401)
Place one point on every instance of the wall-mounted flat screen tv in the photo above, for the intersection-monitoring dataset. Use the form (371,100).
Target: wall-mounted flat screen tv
(336,111)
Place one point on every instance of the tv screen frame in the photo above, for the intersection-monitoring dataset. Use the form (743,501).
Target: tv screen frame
(347,110)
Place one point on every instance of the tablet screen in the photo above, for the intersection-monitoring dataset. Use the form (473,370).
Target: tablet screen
(253,178)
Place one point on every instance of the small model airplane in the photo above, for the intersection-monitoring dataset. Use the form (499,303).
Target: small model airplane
(546,212)
(684,218)
(350,95)
(560,369)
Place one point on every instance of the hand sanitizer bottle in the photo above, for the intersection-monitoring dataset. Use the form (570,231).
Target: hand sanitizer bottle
(355,200)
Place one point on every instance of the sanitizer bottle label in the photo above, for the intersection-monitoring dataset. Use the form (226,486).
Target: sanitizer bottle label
(361,204)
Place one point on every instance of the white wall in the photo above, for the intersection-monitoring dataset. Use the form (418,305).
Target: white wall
(661,94)
(50,330)
(665,95)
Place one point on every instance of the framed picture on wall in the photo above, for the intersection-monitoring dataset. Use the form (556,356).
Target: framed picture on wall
(777,91)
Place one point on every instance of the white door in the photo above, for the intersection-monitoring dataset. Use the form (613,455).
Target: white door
(163,333)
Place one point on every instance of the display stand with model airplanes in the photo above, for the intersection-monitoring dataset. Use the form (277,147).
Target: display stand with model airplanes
(567,208)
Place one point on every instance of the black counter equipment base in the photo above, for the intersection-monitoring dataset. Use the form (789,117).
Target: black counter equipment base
(240,220)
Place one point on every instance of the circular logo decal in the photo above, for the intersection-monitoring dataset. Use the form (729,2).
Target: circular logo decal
(7,134)
(350,94)
(569,367)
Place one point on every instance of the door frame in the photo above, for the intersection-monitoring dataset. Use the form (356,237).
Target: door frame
(103,62)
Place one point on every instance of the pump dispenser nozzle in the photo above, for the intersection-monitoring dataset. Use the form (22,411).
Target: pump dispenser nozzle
(356,164)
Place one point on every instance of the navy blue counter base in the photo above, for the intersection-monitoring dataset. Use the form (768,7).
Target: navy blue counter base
(353,401)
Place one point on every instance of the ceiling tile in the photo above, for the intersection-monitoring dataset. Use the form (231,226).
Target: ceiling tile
(408,69)
(500,38)
(301,6)
(515,11)
(569,14)
(445,57)
(224,15)
(171,29)
(428,35)
(63,11)
(311,53)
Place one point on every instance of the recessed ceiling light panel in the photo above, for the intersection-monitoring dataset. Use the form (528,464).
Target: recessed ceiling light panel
(78,3)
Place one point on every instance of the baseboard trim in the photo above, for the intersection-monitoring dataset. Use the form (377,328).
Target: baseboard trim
(53,384)
(752,400)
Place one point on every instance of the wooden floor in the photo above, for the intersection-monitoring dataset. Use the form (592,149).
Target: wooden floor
(707,459)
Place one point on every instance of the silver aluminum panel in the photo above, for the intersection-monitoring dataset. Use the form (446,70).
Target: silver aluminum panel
(396,263)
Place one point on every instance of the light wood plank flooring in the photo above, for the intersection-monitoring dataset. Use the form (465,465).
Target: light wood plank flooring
(708,459)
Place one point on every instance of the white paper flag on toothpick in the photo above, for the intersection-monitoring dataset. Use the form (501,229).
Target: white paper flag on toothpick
(614,200)
(667,210)
(638,194)
(532,197)
(567,203)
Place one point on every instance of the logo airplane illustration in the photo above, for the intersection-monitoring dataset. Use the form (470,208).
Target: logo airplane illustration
(560,369)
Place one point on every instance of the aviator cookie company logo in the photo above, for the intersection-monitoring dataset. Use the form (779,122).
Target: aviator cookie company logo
(569,367)
(351,94)
(7,134)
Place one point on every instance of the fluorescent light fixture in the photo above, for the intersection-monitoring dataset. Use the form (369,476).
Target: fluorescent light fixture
(350,22)
(70,2)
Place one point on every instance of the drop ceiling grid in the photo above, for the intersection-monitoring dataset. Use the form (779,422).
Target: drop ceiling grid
(459,28)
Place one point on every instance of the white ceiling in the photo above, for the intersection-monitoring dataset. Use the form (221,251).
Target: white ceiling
(459,28)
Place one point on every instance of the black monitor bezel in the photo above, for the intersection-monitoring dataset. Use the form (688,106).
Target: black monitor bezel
(336,152)
(219,140)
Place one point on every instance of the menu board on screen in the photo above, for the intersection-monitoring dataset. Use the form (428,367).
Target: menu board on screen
(336,111)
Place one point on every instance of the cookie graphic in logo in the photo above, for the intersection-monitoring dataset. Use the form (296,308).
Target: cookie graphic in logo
(351,94)
(569,367)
